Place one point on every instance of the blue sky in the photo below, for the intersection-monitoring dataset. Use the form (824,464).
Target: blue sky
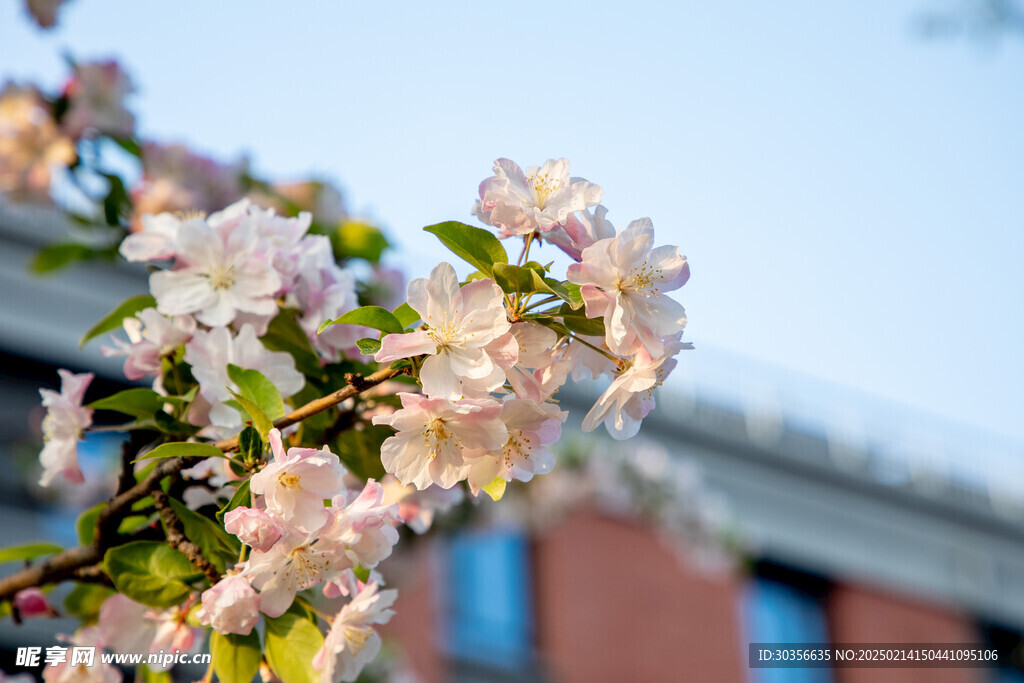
(848,193)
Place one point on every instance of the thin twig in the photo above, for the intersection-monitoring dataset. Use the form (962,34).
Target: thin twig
(177,538)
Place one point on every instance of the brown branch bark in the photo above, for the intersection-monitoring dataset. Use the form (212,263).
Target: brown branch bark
(63,565)
(177,538)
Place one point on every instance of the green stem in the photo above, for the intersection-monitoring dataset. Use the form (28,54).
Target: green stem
(535,304)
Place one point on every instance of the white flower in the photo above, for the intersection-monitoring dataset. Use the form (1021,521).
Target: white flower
(352,641)
(534,375)
(231,606)
(624,280)
(156,239)
(630,397)
(532,427)
(293,564)
(541,198)
(152,337)
(218,272)
(63,426)
(210,352)
(363,528)
(295,484)
(581,230)
(466,338)
(432,433)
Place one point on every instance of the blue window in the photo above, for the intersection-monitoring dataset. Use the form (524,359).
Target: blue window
(489,615)
(782,611)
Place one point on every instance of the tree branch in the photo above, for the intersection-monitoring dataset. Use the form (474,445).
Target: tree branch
(176,537)
(64,565)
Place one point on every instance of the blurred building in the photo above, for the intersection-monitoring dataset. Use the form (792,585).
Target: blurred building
(879,526)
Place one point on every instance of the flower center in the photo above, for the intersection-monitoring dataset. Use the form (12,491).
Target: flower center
(356,638)
(446,335)
(517,446)
(292,482)
(221,277)
(305,567)
(436,436)
(642,279)
(543,187)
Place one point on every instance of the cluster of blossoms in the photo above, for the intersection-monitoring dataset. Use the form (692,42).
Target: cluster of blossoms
(250,310)
(489,370)
(297,544)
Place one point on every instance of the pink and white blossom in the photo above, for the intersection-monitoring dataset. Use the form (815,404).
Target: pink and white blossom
(209,352)
(581,230)
(466,340)
(630,397)
(231,606)
(352,641)
(542,198)
(624,280)
(432,434)
(533,376)
(295,563)
(151,337)
(172,631)
(256,528)
(66,420)
(295,484)
(532,428)
(123,626)
(217,274)
(362,525)
(156,238)
(99,672)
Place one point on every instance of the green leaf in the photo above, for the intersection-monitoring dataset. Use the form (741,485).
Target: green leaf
(141,403)
(183,450)
(259,419)
(56,256)
(143,674)
(292,642)
(86,524)
(284,334)
(406,315)
(149,572)
(368,346)
(578,322)
(474,245)
(28,551)
(217,545)
(355,239)
(250,445)
(85,599)
(236,659)
(258,389)
(114,319)
(368,316)
(360,450)
(241,498)
(529,280)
